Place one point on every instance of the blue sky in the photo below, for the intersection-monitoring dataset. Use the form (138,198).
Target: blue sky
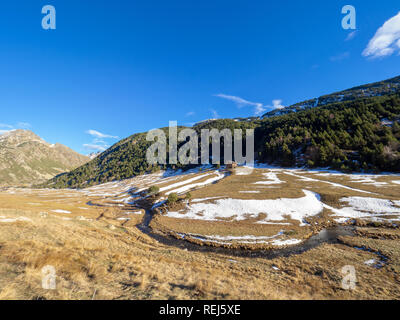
(114,68)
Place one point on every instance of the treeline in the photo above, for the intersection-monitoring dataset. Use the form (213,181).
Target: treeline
(349,136)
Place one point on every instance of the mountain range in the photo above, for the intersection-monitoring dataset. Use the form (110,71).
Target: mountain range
(27,159)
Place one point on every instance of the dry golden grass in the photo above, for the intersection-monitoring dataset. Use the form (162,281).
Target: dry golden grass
(97,256)
(292,184)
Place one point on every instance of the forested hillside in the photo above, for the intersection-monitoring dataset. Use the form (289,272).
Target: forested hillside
(127,158)
(123,160)
(355,135)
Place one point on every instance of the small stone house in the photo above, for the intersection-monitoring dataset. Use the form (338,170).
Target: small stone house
(231,165)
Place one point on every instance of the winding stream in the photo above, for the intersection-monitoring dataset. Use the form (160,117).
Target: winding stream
(325,236)
(328,235)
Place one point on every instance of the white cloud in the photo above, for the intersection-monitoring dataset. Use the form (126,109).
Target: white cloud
(214,114)
(259,108)
(98,143)
(239,101)
(100,135)
(24,125)
(189,114)
(351,36)
(386,39)
(3,125)
(95,147)
(277,104)
(9,127)
(340,57)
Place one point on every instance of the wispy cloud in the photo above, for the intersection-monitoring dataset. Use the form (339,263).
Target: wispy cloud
(98,143)
(276,104)
(190,113)
(24,125)
(8,127)
(340,57)
(351,36)
(259,108)
(214,114)
(240,102)
(94,147)
(386,39)
(100,135)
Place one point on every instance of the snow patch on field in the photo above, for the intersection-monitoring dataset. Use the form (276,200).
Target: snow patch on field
(367,180)
(371,205)
(371,262)
(337,185)
(363,207)
(183,189)
(271,179)
(178,184)
(289,242)
(243,171)
(60,211)
(237,209)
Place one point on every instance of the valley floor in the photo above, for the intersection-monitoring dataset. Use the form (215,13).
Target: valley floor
(104,241)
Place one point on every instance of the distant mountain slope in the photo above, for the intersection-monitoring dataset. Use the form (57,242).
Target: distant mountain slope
(127,158)
(352,135)
(27,159)
(375,89)
(123,160)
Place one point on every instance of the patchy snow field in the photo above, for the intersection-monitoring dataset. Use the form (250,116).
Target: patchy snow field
(289,198)
(246,207)
(271,179)
(237,209)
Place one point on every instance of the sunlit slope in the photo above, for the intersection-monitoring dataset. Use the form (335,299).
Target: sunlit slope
(27,159)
